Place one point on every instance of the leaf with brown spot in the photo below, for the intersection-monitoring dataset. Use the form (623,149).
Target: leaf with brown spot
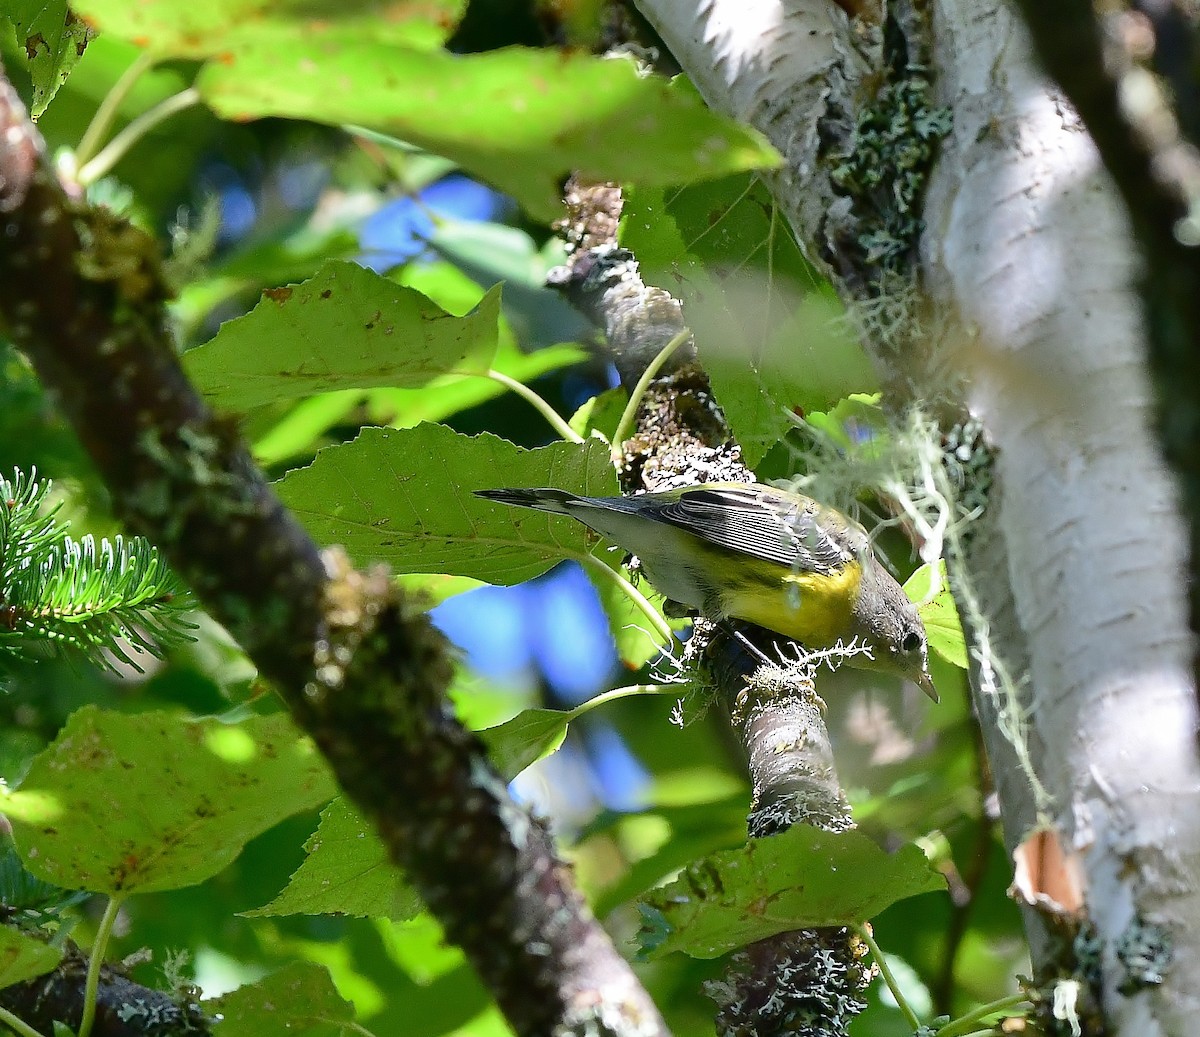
(286,348)
(94,811)
(802,878)
(54,41)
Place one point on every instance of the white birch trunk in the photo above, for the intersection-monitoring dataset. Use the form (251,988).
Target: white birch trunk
(1031,268)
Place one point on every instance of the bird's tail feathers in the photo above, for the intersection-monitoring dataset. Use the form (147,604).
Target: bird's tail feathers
(544,499)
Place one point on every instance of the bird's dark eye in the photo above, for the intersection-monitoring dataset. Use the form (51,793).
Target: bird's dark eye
(911,642)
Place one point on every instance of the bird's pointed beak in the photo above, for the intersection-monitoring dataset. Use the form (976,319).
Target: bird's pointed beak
(925,683)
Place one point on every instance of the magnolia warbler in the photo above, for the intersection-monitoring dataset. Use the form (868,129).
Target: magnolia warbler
(752,552)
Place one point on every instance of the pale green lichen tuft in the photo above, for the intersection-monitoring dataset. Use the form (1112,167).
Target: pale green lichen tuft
(884,172)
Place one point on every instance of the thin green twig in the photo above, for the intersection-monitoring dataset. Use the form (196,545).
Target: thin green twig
(116,148)
(99,947)
(630,691)
(102,121)
(17,1025)
(543,408)
(910,1017)
(962,1026)
(639,599)
(639,390)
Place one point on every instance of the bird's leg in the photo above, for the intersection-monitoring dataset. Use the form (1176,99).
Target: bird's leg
(734,632)
(674,610)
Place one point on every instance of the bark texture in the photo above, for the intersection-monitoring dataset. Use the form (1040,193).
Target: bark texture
(1030,257)
(1076,571)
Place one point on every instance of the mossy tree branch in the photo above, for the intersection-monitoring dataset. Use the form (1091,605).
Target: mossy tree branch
(83,296)
(123,1008)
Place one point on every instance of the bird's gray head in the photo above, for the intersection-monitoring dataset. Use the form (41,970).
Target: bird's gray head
(889,624)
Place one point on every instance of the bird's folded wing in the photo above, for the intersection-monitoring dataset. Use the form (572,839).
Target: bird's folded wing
(786,535)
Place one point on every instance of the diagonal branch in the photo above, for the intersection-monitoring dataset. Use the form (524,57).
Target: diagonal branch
(82,295)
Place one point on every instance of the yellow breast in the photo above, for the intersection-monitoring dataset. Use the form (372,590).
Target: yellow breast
(813,609)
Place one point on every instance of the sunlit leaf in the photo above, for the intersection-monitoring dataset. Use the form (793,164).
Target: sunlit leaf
(521,119)
(601,414)
(54,39)
(528,737)
(938,613)
(173,29)
(122,803)
(851,422)
(301,430)
(347,871)
(427,590)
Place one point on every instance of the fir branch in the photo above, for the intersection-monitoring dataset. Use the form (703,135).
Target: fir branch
(27,525)
(101,597)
